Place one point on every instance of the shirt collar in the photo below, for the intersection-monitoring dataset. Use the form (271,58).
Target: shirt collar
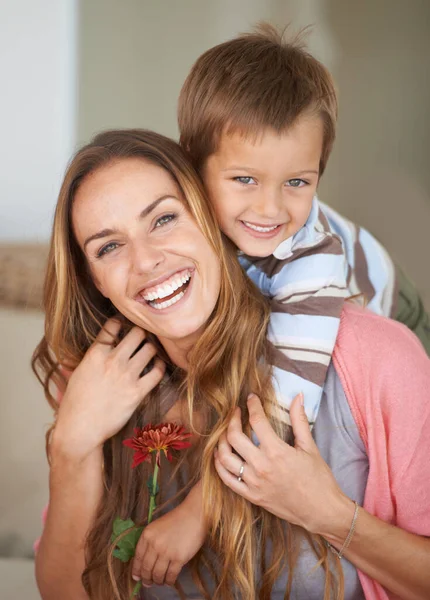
(307,236)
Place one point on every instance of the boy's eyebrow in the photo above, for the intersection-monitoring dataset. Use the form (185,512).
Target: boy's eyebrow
(251,170)
(238,168)
(306,171)
(145,212)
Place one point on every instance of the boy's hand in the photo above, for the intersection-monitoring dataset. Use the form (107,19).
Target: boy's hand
(169,542)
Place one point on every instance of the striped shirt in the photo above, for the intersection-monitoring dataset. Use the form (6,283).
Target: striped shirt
(307,280)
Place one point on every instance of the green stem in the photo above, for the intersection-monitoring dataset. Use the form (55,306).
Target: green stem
(154,492)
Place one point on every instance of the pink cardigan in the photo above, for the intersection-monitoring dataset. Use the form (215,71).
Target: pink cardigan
(385,374)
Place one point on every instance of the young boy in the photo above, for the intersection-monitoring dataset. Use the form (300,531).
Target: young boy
(258,118)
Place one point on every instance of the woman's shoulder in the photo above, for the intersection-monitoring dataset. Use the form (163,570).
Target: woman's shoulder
(377,342)
(382,365)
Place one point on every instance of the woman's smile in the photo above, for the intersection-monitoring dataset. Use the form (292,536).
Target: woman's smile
(167,292)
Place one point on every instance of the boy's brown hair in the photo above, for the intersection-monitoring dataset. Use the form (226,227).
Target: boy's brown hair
(249,83)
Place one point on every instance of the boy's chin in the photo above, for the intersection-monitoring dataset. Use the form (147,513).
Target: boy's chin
(257,248)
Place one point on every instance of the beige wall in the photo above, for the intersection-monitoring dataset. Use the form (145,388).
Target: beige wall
(379,172)
(134,56)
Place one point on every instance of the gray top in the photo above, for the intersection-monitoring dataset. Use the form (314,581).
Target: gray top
(340,445)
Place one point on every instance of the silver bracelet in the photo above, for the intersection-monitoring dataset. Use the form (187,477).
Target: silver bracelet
(348,537)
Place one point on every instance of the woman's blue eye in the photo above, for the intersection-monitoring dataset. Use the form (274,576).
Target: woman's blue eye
(244,180)
(164,220)
(297,182)
(106,249)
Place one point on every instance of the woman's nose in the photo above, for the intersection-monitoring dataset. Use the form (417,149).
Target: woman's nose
(146,258)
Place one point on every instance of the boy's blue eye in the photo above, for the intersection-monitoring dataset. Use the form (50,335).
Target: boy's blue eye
(164,220)
(297,183)
(244,180)
(106,249)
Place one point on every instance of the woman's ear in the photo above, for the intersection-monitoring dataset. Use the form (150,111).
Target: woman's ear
(99,287)
(92,284)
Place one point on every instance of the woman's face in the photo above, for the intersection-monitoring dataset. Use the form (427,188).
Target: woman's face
(145,251)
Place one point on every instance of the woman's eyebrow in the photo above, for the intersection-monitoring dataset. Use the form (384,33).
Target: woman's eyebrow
(145,212)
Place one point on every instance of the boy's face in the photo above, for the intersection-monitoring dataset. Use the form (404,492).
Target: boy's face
(262,189)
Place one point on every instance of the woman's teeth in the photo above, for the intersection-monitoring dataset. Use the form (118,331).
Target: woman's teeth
(261,229)
(161,305)
(173,289)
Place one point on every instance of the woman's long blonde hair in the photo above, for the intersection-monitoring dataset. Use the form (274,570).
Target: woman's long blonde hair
(229,361)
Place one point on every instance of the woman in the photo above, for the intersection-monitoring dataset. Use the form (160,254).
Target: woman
(134,236)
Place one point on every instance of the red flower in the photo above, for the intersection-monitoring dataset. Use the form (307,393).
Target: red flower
(163,437)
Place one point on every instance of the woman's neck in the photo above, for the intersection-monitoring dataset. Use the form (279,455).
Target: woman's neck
(178,350)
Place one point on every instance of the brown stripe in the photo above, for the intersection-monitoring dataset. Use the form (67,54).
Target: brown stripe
(331,244)
(270,265)
(313,292)
(398,276)
(301,349)
(324,306)
(323,220)
(348,275)
(314,372)
(361,270)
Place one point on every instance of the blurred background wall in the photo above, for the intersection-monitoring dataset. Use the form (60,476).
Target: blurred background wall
(134,56)
(70,68)
(37,110)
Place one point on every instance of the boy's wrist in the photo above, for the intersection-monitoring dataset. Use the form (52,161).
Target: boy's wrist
(194,500)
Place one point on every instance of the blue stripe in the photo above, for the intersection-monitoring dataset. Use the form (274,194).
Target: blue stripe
(302,326)
(288,385)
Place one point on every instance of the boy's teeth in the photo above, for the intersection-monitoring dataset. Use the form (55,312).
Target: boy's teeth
(261,229)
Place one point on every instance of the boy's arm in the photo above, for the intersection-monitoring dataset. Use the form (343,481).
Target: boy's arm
(171,541)
(410,311)
(308,292)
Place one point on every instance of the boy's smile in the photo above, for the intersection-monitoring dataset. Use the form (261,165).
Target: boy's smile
(262,187)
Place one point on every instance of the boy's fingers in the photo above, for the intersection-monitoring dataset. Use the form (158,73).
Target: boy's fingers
(159,571)
(173,572)
(141,549)
(300,424)
(144,561)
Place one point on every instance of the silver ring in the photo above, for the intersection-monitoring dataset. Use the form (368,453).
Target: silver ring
(241,470)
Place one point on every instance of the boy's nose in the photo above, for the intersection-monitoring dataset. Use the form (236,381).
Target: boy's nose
(269,204)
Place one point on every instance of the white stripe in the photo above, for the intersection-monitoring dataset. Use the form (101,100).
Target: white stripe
(388,295)
(308,285)
(314,357)
(302,343)
(328,292)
